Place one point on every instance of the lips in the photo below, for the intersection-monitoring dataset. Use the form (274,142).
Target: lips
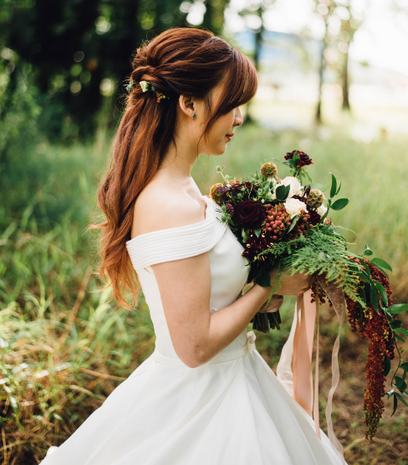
(229,136)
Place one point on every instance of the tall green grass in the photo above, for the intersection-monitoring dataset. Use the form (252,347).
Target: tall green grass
(62,348)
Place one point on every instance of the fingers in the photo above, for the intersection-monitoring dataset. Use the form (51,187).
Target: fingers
(274,304)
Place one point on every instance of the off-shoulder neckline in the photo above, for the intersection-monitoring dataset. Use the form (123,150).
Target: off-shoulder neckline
(209,214)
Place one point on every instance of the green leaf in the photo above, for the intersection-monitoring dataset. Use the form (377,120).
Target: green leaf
(382,263)
(402,331)
(296,158)
(382,291)
(400,383)
(333,188)
(362,294)
(363,276)
(398,308)
(382,269)
(294,221)
(282,192)
(404,366)
(368,271)
(264,280)
(289,163)
(339,234)
(396,324)
(390,393)
(395,404)
(340,204)
(338,189)
(257,232)
(374,298)
(401,399)
(387,366)
(367,250)
(400,338)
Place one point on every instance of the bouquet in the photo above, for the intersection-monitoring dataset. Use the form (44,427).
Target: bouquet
(284,223)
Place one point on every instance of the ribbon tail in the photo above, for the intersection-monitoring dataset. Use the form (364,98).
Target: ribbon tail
(336,297)
(303,351)
(284,371)
(316,384)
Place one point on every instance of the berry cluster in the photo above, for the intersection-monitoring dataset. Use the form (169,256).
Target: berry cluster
(276,222)
(301,226)
(374,326)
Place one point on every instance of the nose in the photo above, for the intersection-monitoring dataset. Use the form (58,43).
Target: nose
(238,120)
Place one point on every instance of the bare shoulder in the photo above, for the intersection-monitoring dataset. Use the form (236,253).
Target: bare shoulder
(159,208)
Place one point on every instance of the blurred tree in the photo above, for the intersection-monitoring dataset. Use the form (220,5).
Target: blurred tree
(214,15)
(253,14)
(80,52)
(349,26)
(340,25)
(326,10)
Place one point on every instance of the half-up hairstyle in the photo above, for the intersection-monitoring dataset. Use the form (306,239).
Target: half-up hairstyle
(180,61)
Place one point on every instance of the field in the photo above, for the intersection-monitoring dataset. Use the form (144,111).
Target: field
(63,349)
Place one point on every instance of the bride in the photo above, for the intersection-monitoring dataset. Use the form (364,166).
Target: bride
(205,396)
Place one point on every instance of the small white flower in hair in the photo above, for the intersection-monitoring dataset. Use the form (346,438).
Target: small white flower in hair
(145,86)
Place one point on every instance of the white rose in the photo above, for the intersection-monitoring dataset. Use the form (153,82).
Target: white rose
(294,207)
(295,187)
(322,210)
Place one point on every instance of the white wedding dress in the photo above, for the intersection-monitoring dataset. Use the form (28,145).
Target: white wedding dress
(230,411)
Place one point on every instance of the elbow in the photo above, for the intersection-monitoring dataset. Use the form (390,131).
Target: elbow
(193,359)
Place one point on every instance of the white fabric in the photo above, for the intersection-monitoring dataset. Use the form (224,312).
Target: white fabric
(230,411)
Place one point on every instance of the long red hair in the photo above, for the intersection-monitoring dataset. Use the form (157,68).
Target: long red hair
(180,61)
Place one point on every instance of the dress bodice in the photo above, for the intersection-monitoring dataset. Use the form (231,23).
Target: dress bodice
(229,270)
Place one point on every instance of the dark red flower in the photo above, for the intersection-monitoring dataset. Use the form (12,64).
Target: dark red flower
(248,188)
(249,214)
(230,208)
(304,158)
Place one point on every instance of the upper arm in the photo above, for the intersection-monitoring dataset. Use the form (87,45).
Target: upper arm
(185,288)
(185,284)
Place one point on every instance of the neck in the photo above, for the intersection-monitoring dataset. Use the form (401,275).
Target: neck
(178,162)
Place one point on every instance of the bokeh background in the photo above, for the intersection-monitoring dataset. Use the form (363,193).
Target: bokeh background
(333,81)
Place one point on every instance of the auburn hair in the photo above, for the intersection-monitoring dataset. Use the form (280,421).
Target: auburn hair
(179,61)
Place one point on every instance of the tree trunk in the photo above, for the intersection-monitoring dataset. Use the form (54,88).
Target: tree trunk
(208,16)
(345,84)
(257,52)
(318,117)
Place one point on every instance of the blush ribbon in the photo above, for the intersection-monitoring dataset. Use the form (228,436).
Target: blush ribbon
(298,352)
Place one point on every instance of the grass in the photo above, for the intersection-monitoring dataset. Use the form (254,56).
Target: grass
(63,350)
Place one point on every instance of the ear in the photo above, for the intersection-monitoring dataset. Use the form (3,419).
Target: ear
(187,105)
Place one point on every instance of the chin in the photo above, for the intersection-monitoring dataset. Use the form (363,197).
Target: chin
(220,152)
(216,151)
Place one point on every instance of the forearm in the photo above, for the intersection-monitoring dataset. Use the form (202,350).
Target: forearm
(226,324)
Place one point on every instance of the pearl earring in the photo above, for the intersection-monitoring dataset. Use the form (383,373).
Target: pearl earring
(194,115)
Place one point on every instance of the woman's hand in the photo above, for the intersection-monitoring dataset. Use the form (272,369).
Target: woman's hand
(274,304)
(296,284)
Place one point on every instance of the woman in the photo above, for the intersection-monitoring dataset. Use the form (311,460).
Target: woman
(205,396)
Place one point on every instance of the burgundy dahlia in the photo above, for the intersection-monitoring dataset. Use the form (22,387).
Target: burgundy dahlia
(304,158)
(249,214)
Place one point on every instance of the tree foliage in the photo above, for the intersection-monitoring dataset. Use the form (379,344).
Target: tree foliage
(80,51)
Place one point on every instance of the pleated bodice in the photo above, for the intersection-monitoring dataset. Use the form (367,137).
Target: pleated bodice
(229,270)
